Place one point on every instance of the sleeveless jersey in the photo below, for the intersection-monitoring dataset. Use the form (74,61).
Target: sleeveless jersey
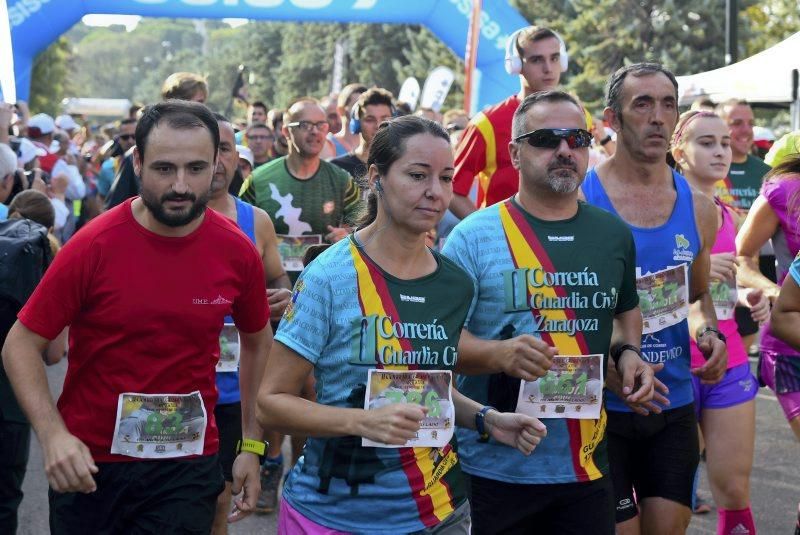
(228,382)
(725,243)
(671,244)
(563,282)
(348,316)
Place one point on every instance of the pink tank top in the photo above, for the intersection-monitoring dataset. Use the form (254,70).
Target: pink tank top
(724,296)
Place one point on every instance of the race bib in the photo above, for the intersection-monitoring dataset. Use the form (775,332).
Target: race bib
(724,295)
(572,388)
(293,248)
(663,298)
(228,349)
(159,426)
(430,389)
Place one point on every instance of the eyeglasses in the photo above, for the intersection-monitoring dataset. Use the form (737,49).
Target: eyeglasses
(306,126)
(261,138)
(126,137)
(550,138)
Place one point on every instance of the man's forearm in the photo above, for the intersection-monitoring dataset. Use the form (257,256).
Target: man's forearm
(627,329)
(22,359)
(477,356)
(282,281)
(461,206)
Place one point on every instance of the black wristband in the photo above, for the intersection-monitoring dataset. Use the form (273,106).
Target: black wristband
(621,349)
(704,330)
(605,140)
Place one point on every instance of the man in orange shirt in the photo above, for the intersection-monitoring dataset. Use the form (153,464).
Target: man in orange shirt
(539,56)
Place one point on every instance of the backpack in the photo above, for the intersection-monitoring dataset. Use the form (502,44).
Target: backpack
(24,255)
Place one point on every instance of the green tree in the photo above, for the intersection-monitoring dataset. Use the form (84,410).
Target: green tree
(50,80)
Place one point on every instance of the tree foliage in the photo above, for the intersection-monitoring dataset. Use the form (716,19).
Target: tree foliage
(50,76)
(288,60)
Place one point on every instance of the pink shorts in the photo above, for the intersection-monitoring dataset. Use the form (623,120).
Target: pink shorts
(292,522)
(790,401)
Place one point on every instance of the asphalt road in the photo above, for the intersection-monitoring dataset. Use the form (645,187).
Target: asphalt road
(775,483)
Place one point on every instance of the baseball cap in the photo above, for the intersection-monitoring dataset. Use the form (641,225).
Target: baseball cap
(246,154)
(66,122)
(28,151)
(41,124)
(788,145)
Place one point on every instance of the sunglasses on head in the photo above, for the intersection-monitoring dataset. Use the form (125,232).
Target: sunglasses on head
(550,138)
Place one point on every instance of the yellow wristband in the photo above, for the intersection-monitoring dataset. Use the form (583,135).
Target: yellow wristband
(253,446)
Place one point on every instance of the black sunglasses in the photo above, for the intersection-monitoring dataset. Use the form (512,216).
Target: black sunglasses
(550,138)
(126,136)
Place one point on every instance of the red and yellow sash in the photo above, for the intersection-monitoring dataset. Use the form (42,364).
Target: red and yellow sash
(430,491)
(527,252)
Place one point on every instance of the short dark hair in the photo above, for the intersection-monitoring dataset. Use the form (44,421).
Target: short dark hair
(614,86)
(259,104)
(533,34)
(389,145)
(518,123)
(372,97)
(723,109)
(348,91)
(129,120)
(33,205)
(179,114)
(256,125)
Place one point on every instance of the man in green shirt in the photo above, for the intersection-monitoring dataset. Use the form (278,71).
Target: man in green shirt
(741,187)
(308,199)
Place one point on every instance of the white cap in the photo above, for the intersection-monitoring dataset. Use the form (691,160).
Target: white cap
(246,154)
(43,122)
(66,122)
(28,151)
(761,133)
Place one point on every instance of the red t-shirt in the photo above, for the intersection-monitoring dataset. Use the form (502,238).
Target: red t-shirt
(145,313)
(483,153)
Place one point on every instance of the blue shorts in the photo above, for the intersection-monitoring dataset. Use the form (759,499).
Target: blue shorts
(736,387)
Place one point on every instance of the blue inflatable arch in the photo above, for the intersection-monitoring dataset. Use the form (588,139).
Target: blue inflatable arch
(37,23)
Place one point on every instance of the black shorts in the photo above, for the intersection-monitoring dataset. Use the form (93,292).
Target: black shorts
(656,455)
(164,496)
(229,424)
(566,508)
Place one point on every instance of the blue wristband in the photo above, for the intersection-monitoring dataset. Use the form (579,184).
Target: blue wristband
(480,424)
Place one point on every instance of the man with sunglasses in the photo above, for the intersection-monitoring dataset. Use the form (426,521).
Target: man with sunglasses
(654,457)
(538,56)
(124,142)
(553,277)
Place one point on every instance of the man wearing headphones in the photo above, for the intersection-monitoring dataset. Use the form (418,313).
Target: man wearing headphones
(372,108)
(538,56)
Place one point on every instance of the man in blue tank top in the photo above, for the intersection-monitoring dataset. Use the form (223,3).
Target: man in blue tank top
(256,224)
(653,457)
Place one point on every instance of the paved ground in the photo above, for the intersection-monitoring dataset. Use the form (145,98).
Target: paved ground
(775,481)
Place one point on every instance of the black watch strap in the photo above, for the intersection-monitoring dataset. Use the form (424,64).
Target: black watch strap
(714,330)
(623,348)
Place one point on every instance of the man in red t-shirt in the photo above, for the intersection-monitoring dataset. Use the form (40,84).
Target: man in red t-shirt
(539,56)
(145,289)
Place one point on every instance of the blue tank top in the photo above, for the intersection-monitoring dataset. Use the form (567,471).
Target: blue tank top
(228,382)
(673,243)
(340,149)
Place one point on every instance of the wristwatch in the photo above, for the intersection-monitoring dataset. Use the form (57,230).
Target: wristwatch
(253,446)
(704,330)
(480,423)
(623,348)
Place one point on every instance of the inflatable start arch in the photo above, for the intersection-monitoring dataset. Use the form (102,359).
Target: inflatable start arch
(37,23)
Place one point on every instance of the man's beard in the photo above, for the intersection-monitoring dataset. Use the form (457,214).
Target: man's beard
(175,219)
(560,180)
